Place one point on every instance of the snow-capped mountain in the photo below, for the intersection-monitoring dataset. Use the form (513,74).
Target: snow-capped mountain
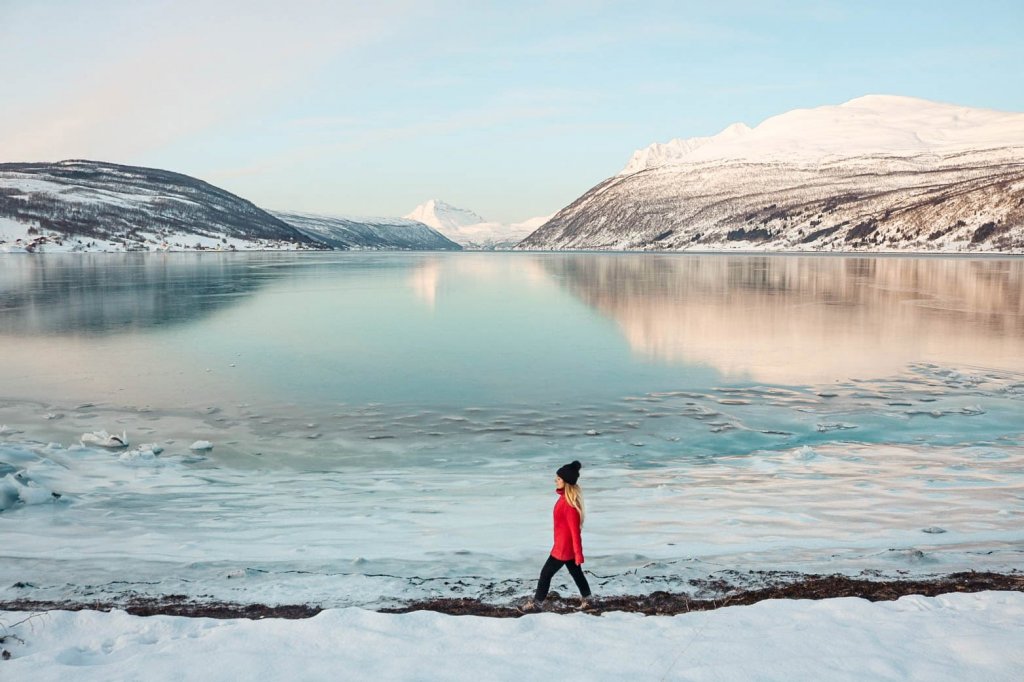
(340,232)
(90,205)
(443,216)
(491,236)
(675,150)
(469,229)
(877,173)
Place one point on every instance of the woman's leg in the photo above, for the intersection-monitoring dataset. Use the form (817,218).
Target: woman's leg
(551,566)
(577,575)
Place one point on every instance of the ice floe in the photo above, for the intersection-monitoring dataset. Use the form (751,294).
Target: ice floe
(18,489)
(105,440)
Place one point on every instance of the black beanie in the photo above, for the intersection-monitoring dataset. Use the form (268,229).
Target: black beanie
(570,473)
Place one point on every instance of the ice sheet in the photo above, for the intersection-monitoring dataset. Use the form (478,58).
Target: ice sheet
(378,503)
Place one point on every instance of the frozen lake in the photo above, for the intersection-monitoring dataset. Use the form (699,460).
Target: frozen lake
(386,426)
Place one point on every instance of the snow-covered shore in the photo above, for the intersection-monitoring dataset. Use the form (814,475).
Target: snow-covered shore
(951,637)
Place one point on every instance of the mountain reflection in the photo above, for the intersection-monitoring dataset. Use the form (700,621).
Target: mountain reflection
(108,293)
(807,319)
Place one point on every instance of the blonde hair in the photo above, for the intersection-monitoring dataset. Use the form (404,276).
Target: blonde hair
(574,496)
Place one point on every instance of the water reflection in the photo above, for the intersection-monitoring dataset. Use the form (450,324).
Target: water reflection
(486,329)
(785,319)
(97,294)
(423,280)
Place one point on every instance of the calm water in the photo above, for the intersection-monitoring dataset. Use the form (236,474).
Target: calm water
(459,330)
(364,342)
(766,397)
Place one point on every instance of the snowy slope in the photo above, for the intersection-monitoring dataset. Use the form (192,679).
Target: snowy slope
(951,637)
(676,150)
(342,232)
(469,229)
(90,205)
(877,173)
(874,125)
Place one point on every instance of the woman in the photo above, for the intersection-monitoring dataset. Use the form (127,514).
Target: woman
(568,548)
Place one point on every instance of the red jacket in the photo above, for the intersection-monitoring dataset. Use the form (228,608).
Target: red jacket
(568,543)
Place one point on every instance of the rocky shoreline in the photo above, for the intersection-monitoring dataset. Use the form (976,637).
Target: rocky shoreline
(724,593)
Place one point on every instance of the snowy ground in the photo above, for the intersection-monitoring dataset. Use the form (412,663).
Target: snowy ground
(15,237)
(952,637)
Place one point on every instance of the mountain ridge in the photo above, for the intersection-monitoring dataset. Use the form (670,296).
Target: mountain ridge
(877,173)
(83,205)
(362,233)
(871,125)
(469,229)
(79,204)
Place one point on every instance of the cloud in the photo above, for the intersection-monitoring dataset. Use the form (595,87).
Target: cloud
(179,69)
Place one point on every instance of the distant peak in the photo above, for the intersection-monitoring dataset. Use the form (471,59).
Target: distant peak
(435,205)
(738,127)
(442,215)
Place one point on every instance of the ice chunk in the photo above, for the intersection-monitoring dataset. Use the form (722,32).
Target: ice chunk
(143,455)
(104,439)
(201,445)
(835,426)
(138,458)
(804,454)
(19,489)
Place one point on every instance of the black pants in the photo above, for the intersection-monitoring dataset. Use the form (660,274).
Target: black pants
(551,567)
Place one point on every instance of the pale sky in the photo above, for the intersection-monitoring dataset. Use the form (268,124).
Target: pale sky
(510,109)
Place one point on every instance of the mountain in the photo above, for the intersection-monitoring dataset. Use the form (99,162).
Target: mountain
(469,229)
(90,205)
(673,151)
(443,216)
(878,173)
(340,232)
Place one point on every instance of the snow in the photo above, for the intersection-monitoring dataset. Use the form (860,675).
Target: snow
(387,532)
(13,234)
(866,126)
(443,216)
(469,229)
(18,489)
(951,637)
(14,238)
(104,439)
(170,212)
(878,174)
(675,150)
(123,197)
